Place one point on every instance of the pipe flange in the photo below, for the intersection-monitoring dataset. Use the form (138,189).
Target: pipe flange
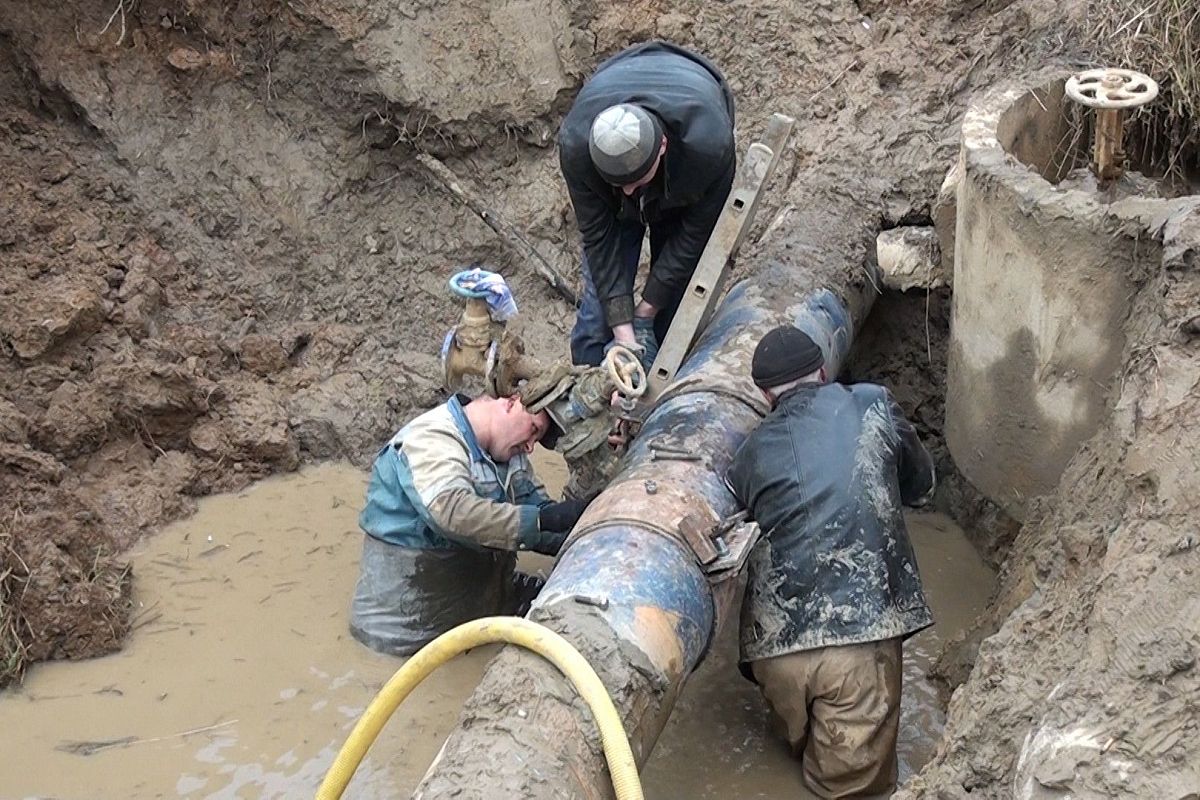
(1110,87)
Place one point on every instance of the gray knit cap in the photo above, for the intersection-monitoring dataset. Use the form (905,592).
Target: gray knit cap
(624,143)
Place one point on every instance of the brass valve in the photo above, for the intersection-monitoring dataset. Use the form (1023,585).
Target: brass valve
(482,346)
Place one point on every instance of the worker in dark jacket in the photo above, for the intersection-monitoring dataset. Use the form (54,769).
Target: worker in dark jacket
(648,142)
(833,586)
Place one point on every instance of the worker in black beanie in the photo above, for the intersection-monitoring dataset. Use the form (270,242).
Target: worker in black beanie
(786,355)
(833,590)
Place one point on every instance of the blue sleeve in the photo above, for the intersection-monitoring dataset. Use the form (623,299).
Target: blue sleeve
(527,489)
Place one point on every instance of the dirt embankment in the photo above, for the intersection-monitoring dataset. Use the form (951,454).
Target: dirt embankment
(220,258)
(215,264)
(226,260)
(1087,688)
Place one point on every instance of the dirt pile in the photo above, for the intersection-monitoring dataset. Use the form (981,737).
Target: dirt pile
(193,292)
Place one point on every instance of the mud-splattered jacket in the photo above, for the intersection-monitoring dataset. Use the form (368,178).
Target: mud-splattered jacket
(433,487)
(825,475)
(443,523)
(695,104)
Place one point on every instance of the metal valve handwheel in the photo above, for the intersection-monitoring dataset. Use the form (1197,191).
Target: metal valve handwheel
(1111,88)
(626,371)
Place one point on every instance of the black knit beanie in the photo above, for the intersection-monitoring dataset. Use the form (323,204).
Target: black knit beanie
(783,355)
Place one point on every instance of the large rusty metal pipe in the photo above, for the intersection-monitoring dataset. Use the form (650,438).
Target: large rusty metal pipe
(627,590)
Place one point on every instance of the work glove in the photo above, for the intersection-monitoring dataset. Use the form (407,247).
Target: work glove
(643,332)
(555,521)
(548,543)
(560,516)
(636,349)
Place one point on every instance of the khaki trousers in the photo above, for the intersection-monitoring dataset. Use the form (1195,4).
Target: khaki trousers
(840,708)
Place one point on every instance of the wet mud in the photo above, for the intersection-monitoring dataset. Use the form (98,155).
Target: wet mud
(220,259)
(240,678)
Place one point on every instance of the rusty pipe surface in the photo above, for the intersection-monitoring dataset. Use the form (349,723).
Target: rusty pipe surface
(627,590)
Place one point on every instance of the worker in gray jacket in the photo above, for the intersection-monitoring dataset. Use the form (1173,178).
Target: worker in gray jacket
(833,588)
(648,143)
(452,500)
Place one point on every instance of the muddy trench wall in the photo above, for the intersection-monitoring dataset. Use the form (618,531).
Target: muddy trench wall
(258,148)
(254,269)
(241,267)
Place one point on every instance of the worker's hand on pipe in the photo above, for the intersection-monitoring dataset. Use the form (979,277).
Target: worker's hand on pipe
(555,521)
(560,516)
(548,543)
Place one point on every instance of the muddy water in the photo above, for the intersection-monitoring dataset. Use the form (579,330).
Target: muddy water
(241,680)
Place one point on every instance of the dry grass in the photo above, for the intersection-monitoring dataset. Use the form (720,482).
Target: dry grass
(13,653)
(91,621)
(1162,39)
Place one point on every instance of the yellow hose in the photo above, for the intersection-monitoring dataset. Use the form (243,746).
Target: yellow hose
(513,630)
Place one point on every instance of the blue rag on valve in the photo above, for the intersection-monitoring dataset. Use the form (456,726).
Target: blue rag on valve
(499,297)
